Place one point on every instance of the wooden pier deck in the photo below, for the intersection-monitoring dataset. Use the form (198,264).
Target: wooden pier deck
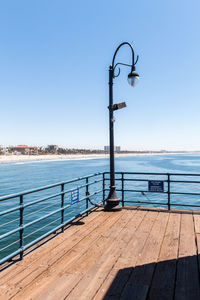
(131,254)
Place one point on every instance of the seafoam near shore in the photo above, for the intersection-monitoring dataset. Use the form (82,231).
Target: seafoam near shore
(22,158)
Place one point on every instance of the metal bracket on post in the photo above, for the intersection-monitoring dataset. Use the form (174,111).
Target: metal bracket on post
(168,190)
(62,206)
(122,179)
(117,106)
(87,194)
(21,225)
(103,188)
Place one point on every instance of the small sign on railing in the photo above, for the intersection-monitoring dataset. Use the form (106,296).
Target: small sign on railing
(74,196)
(156,186)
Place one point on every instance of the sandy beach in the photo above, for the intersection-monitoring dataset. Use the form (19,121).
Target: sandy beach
(22,158)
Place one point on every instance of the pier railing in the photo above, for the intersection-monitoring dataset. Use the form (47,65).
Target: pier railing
(169,190)
(29,217)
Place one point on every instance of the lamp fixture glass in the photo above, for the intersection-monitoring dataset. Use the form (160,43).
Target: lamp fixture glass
(133,78)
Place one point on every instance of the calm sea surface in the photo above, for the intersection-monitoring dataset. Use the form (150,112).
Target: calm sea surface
(17,177)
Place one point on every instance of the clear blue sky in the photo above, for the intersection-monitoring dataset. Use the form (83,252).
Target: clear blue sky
(54,60)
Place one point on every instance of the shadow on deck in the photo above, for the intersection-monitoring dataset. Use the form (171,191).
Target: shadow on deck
(173,279)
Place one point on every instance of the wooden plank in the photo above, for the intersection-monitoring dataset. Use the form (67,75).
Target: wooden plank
(145,265)
(197,223)
(53,255)
(89,284)
(135,291)
(47,280)
(163,283)
(198,248)
(187,279)
(121,270)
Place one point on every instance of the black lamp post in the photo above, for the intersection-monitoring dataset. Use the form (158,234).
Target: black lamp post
(113,201)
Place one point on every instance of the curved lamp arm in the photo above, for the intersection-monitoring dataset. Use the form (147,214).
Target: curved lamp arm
(133,56)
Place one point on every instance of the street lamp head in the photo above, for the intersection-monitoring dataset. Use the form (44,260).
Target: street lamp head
(133,78)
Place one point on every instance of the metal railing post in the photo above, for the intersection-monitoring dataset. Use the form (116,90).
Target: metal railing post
(62,205)
(122,179)
(87,193)
(168,190)
(21,226)
(103,188)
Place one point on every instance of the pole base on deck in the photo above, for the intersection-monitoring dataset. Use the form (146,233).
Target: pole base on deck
(112,202)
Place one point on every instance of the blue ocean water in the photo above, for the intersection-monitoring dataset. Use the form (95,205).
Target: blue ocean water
(16,177)
(19,176)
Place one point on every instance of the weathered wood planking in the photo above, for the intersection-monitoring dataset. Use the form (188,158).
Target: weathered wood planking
(73,263)
(162,286)
(187,278)
(142,254)
(143,272)
(119,274)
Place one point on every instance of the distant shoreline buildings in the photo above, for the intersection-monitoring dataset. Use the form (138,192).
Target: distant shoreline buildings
(27,150)
(55,149)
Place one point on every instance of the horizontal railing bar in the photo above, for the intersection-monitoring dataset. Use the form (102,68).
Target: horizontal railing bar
(181,181)
(138,191)
(47,187)
(184,193)
(145,202)
(93,182)
(5,212)
(9,245)
(138,173)
(8,257)
(3,236)
(171,174)
(178,204)
(133,179)
(152,173)
(161,203)
(184,174)
(146,180)
(33,232)
(174,193)
(43,208)
(43,199)
(2,225)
